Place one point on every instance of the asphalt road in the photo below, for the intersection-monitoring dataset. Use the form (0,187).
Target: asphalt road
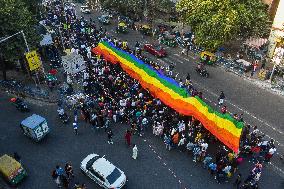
(260,107)
(156,167)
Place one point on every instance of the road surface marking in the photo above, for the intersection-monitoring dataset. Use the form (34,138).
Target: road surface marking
(278,143)
(243,110)
(277,168)
(164,163)
(181,62)
(168,60)
(181,56)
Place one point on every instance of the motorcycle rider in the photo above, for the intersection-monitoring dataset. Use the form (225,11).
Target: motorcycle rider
(200,67)
(221,98)
(20,104)
(202,70)
(171,68)
(137,46)
(187,79)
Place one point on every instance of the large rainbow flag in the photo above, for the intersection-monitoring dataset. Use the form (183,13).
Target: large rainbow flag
(223,126)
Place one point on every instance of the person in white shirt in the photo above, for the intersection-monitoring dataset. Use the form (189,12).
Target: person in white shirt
(204,146)
(270,153)
(77,51)
(73,50)
(173,131)
(122,102)
(181,141)
(144,122)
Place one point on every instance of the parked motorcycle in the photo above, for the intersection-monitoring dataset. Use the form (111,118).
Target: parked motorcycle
(20,104)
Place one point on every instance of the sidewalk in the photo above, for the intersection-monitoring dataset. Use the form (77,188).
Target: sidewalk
(20,84)
(264,84)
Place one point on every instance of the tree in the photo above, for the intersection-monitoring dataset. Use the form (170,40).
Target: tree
(137,8)
(218,21)
(32,5)
(14,17)
(124,7)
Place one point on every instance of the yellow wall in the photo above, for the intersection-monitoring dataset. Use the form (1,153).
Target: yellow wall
(277,28)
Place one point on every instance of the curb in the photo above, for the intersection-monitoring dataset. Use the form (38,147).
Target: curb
(50,101)
(261,85)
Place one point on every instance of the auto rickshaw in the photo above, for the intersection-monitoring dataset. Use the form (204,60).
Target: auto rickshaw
(169,41)
(121,28)
(35,127)
(11,170)
(208,57)
(146,30)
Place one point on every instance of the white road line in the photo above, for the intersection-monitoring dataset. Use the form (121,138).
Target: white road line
(276,141)
(178,55)
(277,168)
(181,56)
(164,163)
(162,61)
(168,60)
(243,110)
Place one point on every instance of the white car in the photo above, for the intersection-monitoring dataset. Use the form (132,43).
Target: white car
(85,9)
(103,172)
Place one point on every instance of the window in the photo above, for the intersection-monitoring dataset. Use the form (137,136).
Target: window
(91,162)
(98,175)
(113,176)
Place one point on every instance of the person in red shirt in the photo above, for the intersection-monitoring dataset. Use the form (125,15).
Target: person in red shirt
(127,137)
(255,152)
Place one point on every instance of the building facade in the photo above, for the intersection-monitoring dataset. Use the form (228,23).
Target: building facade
(276,38)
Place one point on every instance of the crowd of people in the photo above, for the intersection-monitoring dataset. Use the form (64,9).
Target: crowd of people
(110,96)
(64,177)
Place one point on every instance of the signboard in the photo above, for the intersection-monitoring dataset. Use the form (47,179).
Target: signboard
(73,63)
(33,60)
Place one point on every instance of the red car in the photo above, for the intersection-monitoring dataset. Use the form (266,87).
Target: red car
(155,50)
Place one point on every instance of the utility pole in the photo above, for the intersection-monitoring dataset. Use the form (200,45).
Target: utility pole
(26,43)
(28,49)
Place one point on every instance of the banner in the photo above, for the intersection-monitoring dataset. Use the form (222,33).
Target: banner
(227,129)
(33,60)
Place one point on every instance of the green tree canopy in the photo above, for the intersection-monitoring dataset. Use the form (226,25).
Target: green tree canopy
(14,17)
(138,7)
(218,21)
(124,6)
